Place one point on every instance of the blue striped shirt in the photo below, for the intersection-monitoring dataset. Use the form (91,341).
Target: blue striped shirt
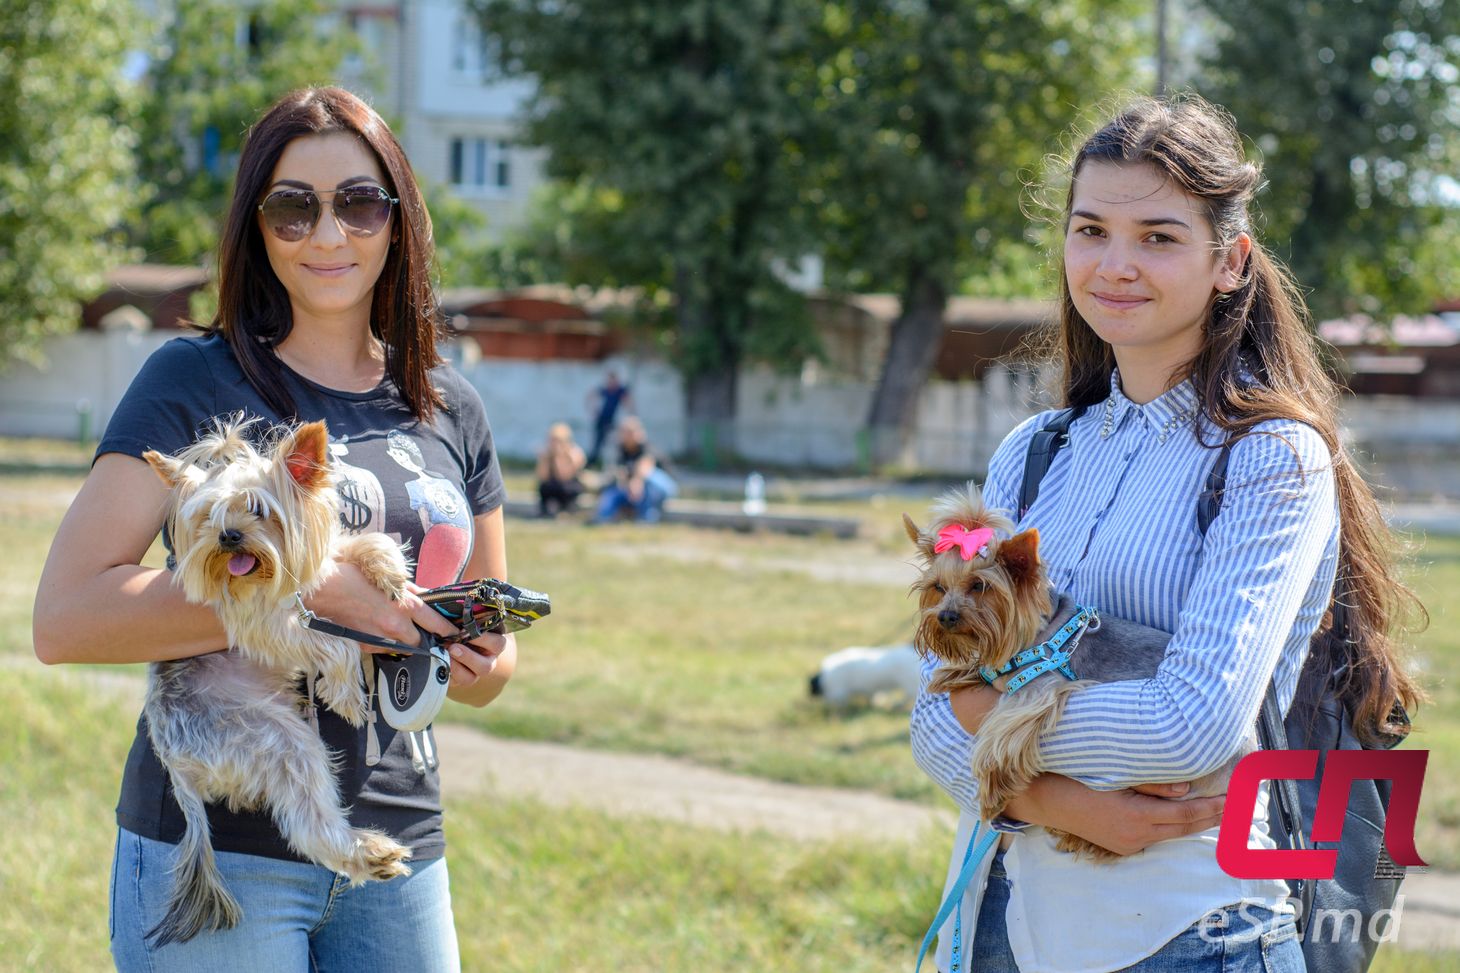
(1116,515)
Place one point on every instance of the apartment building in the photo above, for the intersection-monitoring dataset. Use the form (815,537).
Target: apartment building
(427,70)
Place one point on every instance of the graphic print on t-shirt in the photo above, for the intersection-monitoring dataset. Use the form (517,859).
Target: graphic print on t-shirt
(362,501)
(443,511)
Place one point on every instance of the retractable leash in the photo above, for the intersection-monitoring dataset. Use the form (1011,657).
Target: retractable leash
(408,686)
(1051,655)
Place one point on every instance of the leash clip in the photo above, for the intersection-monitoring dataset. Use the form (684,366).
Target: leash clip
(305,615)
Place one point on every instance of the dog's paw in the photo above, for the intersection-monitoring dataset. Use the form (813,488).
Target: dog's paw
(381,857)
(348,701)
(380,560)
(352,709)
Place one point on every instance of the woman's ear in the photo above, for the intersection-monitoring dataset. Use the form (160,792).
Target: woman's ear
(1229,277)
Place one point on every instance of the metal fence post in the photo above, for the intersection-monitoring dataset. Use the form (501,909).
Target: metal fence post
(83,421)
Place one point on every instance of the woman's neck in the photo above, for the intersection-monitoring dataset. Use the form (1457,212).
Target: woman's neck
(1143,381)
(337,354)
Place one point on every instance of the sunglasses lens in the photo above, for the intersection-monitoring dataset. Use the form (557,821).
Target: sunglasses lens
(364,212)
(291,216)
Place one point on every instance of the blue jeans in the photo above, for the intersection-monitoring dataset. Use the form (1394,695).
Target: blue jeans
(657,489)
(297,918)
(1237,939)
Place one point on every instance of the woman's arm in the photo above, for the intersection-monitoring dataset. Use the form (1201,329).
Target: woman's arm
(480,669)
(1124,821)
(1260,590)
(95,602)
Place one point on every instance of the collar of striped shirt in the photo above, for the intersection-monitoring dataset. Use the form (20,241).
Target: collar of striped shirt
(1163,415)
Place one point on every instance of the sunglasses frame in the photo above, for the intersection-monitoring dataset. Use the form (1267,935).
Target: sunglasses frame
(383,194)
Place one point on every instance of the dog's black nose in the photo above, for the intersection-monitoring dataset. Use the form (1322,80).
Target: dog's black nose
(230,538)
(947,618)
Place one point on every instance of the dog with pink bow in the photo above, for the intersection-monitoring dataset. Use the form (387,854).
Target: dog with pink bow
(987,613)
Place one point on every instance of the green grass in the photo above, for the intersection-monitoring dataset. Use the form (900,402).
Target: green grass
(704,655)
(670,640)
(533,887)
(1435,577)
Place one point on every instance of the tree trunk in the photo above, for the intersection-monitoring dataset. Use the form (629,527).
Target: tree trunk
(911,350)
(709,371)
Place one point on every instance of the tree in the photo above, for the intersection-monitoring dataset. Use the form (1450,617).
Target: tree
(941,110)
(66,177)
(676,123)
(1355,108)
(214,65)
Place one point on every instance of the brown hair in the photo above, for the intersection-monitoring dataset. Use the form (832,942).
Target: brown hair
(253,307)
(1259,360)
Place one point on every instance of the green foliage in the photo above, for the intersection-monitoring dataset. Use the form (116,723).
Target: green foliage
(458,228)
(66,177)
(1353,106)
(941,111)
(214,66)
(677,125)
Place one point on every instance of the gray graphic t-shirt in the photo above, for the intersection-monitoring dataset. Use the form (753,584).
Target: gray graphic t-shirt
(419,484)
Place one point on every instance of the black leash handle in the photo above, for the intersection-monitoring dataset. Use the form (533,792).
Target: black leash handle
(312,621)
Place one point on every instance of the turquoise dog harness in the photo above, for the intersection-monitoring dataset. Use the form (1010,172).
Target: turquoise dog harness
(1051,655)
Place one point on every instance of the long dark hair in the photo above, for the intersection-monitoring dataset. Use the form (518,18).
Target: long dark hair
(1259,360)
(254,313)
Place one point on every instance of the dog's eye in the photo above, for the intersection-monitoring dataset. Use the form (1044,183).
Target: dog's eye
(977,585)
(940,589)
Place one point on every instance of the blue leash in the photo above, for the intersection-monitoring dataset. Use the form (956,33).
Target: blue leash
(971,859)
(1051,655)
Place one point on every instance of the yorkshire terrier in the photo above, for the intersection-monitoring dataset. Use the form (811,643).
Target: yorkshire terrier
(984,598)
(252,533)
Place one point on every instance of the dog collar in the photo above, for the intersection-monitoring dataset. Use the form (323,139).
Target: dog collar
(1051,655)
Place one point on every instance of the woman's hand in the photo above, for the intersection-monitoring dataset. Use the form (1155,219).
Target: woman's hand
(347,598)
(480,668)
(1124,821)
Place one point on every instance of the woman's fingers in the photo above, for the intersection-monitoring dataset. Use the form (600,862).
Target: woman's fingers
(1178,789)
(471,661)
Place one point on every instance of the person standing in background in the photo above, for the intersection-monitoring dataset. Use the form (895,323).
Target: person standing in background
(604,403)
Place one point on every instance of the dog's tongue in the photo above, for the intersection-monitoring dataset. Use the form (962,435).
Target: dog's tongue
(240,564)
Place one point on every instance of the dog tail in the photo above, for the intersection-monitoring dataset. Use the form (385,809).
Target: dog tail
(199,899)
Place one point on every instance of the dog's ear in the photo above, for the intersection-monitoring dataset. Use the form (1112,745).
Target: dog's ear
(169,469)
(913,534)
(305,453)
(1020,556)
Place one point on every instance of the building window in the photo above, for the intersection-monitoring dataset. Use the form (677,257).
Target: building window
(469,54)
(478,163)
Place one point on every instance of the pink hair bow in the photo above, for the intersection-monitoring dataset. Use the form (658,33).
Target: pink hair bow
(968,542)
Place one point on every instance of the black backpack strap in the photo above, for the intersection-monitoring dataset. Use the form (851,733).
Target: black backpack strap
(1042,449)
(1273,735)
(1209,504)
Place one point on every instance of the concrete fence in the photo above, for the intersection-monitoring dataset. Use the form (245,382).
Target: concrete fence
(809,421)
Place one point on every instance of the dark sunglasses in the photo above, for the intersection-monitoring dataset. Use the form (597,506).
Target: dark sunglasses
(292,214)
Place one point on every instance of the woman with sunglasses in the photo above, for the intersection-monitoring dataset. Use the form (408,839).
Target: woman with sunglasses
(326,311)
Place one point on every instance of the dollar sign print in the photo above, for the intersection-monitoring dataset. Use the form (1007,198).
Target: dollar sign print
(362,502)
(354,510)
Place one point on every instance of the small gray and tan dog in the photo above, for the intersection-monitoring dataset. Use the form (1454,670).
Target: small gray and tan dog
(984,597)
(250,530)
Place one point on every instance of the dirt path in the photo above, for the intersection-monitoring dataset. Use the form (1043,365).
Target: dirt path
(661,787)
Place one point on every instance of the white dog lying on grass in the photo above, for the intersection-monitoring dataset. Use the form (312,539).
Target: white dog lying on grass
(866,674)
